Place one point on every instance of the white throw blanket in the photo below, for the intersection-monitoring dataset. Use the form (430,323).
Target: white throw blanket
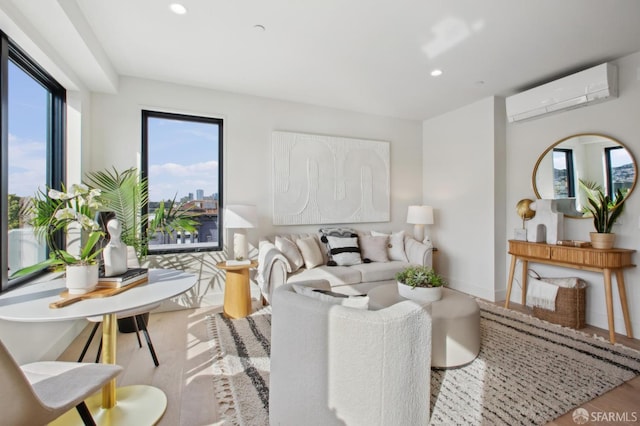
(541,294)
(268,254)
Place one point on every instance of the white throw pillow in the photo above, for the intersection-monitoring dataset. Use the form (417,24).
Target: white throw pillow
(290,250)
(344,251)
(310,252)
(357,302)
(374,249)
(396,245)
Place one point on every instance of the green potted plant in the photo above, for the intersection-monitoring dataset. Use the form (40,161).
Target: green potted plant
(605,212)
(126,194)
(420,283)
(72,212)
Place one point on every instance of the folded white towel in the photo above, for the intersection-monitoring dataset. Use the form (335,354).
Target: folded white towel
(541,294)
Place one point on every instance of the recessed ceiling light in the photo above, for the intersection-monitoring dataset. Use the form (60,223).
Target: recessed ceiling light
(259,27)
(177,8)
(436,73)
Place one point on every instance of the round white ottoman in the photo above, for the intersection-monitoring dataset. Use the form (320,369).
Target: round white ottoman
(455,327)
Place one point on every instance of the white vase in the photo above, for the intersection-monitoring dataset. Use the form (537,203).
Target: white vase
(420,294)
(81,279)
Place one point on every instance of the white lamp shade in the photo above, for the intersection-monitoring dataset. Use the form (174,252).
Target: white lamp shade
(240,216)
(420,215)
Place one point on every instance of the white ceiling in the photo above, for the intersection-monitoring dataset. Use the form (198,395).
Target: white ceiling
(371,56)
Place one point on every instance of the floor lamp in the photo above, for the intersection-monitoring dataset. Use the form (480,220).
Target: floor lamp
(419,216)
(240,217)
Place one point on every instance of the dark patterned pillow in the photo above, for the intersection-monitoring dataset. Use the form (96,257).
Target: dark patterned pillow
(340,233)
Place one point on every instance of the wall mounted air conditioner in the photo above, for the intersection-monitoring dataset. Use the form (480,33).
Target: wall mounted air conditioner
(580,89)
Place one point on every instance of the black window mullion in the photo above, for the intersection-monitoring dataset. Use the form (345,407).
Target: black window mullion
(4,158)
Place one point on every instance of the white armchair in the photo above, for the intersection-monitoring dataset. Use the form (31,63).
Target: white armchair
(333,365)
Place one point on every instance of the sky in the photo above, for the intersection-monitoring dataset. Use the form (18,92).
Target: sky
(183,156)
(27,133)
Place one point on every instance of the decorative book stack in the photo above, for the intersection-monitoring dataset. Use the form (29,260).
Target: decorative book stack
(132,276)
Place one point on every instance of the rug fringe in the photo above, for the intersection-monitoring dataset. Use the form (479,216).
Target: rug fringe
(222,387)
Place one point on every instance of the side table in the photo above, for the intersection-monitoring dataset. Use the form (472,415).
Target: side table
(237,292)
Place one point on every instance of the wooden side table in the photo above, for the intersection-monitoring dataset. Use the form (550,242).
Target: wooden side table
(237,292)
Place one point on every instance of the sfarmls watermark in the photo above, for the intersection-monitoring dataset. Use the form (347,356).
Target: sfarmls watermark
(581,416)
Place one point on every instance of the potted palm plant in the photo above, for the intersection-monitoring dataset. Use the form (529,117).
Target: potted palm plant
(605,212)
(420,283)
(125,194)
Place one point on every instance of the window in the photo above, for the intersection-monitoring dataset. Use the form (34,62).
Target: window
(182,161)
(32,134)
(620,170)
(563,182)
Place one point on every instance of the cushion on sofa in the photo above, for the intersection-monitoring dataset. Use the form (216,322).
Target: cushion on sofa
(291,251)
(357,302)
(373,249)
(310,252)
(379,271)
(333,232)
(395,249)
(344,251)
(336,275)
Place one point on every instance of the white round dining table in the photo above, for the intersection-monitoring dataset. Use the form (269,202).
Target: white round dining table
(128,405)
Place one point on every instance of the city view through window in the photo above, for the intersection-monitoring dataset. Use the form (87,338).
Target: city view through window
(27,161)
(183,160)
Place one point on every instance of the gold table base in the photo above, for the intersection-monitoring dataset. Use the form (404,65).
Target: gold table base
(136,405)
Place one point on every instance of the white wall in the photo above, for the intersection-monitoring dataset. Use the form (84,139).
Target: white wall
(617,118)
(248,123)
(463,171)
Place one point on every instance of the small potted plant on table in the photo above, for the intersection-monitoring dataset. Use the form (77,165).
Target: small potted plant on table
(420,283)
(605,212)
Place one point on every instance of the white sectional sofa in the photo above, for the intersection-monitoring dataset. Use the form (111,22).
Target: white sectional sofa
(279,263)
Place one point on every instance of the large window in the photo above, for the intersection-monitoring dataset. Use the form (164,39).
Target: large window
(32,134)
(182,161)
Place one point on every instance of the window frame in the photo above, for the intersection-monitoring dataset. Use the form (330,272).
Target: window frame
(568,159)
(55,143)
(609,170)
(146,114)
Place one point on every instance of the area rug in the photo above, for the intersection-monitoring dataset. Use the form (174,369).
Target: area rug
(528,372)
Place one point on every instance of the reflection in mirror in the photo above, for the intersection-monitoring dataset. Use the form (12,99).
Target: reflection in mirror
(588,157)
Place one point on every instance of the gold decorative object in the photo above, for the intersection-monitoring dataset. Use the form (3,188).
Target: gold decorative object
(524,210)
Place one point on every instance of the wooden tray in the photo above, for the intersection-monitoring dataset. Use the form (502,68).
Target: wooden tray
(68,299)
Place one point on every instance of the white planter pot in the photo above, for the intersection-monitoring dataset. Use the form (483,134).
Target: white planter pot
(420,294)
(81,279)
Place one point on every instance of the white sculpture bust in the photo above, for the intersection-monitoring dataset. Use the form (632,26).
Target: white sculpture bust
(115,253)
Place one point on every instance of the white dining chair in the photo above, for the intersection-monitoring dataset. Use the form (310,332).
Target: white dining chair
(40,392)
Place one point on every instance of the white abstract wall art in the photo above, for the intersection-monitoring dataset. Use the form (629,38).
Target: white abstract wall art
(321,179)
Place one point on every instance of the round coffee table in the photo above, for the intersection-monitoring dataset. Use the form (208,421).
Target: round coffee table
(455,326)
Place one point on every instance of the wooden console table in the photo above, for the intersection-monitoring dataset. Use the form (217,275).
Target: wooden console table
(583,258)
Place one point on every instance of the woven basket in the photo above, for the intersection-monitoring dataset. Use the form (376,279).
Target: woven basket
(570,306)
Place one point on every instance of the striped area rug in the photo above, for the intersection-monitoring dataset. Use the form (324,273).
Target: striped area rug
(528,372)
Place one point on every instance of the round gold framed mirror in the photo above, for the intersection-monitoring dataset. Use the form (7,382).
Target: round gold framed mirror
(587,157)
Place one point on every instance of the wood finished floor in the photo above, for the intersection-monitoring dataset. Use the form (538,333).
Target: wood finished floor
(182,343)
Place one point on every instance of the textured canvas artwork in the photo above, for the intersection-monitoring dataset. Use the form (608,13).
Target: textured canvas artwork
(321,179)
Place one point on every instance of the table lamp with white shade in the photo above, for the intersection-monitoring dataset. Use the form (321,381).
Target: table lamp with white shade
(419,216)
(240,217)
